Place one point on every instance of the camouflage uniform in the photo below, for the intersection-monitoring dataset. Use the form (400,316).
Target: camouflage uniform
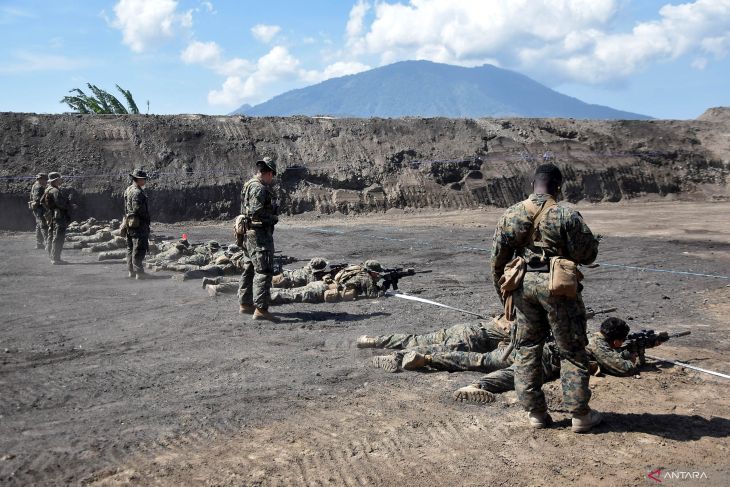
(258,204)
(600,353)
(355,280)
(296,277)
(232,264)
(135,204)
(59,208)
(562,232)
(41,227)
(468,337)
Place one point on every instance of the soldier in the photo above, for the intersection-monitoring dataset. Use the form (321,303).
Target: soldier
(36,192)
(352,282)
(137,221)
(470,346)
(260,212)
(605,355)
(58,216)
(301,277)
(543,243)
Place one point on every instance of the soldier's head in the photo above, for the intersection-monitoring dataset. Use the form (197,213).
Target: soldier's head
(139,177)
(266,169)
(615,330)
(317,263)
(374,268)
(548,180)
(54,179)
(42,178)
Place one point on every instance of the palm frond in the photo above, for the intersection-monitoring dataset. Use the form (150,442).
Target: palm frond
(130,100)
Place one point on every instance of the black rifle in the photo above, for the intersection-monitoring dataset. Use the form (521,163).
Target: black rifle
(639,341)
(280,260)
(392,276)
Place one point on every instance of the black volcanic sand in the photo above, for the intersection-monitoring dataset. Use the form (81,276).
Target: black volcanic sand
(111,381)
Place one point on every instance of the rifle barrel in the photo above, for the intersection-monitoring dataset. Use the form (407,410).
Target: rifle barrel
(680,334)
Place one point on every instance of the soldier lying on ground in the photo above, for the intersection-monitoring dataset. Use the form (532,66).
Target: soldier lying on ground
(105,234)
(225,263)
(300,277)
(170,252)
(200,256)
(356,281)
(481,345)
(603,352)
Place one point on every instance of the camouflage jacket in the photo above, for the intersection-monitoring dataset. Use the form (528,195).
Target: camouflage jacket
(259,204)
(610,361)
(58,204)
(135,203)
(562,232)
(36,191)
(360,282)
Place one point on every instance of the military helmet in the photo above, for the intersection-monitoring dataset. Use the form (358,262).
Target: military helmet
(234,248)
(41,175)
(317,263)
(114,224)
(138,174)
(213,244)
(267,163)
(373,266)
(53,176)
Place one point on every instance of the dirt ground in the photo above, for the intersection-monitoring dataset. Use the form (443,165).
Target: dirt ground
(106,381)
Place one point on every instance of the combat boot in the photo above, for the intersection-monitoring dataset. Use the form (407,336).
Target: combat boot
(414,360)
(367,342)
(210,281)
(131,275)
(389,363)
(277,280)
(213,290)
(583,423)
(539,420)
(473,393)
(264,314)
(141,276)
(244,309)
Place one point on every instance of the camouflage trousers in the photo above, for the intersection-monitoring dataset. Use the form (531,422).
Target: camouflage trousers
(537,314)
(468,337)
(258,268)
(41,227)
(455,361)
(503,380)
(55,239)
(294,278)
(311,293)
(136,250)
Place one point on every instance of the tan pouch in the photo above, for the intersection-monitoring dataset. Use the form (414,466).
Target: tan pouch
(331,296)
(564,277)
(514,273)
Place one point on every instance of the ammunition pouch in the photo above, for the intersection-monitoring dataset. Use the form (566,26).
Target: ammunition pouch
(514,273)
(564,278)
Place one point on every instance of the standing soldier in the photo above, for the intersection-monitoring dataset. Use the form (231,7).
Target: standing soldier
(58,216)
(537,246)
(137,222)
(36,192)
(259,211)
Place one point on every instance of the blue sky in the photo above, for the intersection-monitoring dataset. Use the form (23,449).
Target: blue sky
(661,58)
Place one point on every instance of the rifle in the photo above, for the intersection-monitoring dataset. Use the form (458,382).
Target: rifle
(393,275)
(639,341)
(331,271)
(590,312)
(280,260)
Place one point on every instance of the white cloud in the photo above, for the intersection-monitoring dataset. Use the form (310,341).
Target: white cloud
(265,33)
(145,22)
(560,39)
(276,65)
(210,55)
(355,23)
(209,7)
(27,62)
(699,63)
(334,70)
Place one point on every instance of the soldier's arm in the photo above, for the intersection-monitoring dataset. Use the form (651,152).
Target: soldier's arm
(502,253)
(611,361)
(582,245)
(142,209)
(61,201)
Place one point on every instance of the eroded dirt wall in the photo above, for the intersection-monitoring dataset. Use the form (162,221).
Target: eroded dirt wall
(198,163)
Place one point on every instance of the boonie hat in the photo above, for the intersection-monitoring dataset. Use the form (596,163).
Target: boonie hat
(268,163)
(53,176)
(138,174)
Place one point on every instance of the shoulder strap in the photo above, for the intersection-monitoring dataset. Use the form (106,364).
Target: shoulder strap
(538,214)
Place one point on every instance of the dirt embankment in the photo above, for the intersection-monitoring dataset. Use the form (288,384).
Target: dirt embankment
(198,163)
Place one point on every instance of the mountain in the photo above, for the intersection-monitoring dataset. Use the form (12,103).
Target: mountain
(427,89)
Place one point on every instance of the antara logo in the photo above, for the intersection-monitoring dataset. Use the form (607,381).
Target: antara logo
(658,476)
